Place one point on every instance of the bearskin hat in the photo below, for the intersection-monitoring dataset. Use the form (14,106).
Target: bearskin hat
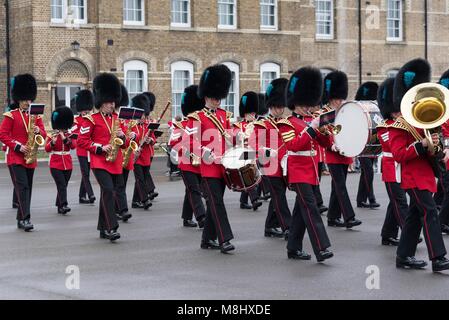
(275,93)
(62,118)
(124,101)
(190,102)
(215,82)
(304,88)
(141,101)
(262,106)
(106,88)
(412,73)
(335,86)
(444,80)
(23,88)
(152,98)
(249,102)
(84,100)
(367,91)
(385,98)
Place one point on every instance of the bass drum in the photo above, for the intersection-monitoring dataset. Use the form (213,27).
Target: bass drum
(358,135)
(241,171)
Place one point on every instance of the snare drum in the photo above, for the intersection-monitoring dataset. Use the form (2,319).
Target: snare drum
(240,174)
(358,136)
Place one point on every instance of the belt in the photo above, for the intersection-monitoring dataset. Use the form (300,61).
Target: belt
(387,154)
(61,153)
(308,153)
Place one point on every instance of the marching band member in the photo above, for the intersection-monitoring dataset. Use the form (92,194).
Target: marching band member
(84,102)
(248,108)
(367,92)
(263,189)
(16,130)
(269,141)
(213,127)
(15,203)
(142,162)
(190,170)
(304,92)
(103,136)
(335,93)
(444,212)
(59,146)
(411,151)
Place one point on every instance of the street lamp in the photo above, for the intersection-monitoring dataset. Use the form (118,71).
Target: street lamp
(75,45)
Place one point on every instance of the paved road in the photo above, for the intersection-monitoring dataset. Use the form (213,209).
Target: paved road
(158,259)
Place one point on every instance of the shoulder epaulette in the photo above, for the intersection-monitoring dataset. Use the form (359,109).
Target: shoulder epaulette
(383,124)
(89,117)
(229,115)
(399,125)
(194,115)
(285,121)
(260,123)
(8,114)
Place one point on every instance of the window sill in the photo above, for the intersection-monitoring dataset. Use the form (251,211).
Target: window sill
(395,42)
(330,40)
(74,25)
(181,27)
(226,28)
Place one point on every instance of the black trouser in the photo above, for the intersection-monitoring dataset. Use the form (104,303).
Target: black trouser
(306,216)
(279,214)
(366,190)
(441,190)
(14,195)
(422,214)
(339,202)
(217,223)
(444,212)
(264,186)
(252,194)
(141,188)
(107,219)
(22,179)
(121,200)
(193,202)
(85,186)
(316,189)
(62,178)
(149,180)
(396,211)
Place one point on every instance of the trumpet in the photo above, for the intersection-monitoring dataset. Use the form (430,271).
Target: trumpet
(330,128)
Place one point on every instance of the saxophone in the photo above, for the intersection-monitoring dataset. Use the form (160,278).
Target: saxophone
(33,143)
(133,146)
(115,142)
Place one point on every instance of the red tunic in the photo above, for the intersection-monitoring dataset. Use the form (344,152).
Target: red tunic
(60,157)
(445,133)
(416,170)
(77,124)
(147,150)
(13,133)
(95,133)
(387,164)
(181,142)
(300,138)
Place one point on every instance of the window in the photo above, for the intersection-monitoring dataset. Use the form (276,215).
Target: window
(392,73)
(136,77)
(182,77)
(268,14)
(268,72)
(180,13)
(64,95)
(394,20)
(324,16)
(70,11)
(227,14)
(133,12)
(231,103)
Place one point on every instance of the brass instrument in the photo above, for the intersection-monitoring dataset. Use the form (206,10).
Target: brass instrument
(329,129)
(133,146)
(115,142)
(425,106)
(34,142)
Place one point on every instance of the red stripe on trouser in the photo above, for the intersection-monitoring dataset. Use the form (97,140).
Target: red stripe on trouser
(278,210)
(14,182)
(342,210)
(189,194)
(309,216)
(398,214)
(105,213)
(211,199)
(425,223)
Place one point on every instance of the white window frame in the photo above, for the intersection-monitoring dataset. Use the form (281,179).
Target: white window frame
(269,67)
(65,13)
(227,26)
(67,87)
(269,27)
(188,24)
(180,66)
(235,68)
(401,26)
(321,36)
(136,65)
(131,22)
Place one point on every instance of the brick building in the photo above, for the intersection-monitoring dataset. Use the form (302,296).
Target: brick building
(163,45)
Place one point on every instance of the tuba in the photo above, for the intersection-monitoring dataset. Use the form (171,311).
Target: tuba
(115,142)
(133,146)
(425,106)
(33,143)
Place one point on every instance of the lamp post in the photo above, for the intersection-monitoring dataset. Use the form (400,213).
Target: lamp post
(75,45)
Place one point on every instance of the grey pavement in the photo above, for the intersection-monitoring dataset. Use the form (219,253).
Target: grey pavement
(156,258)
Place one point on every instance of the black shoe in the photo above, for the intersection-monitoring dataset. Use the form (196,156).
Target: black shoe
(153,195)
(15,205)
(137,205)
(256,204)
(445,228)
(440,264)
(147,205)
(298,255)
(119,217)
(266,197)
(189,224)
(125,215)
(210,244)
(226,247)
(102,234)
(390,242)
(286,233)
(336,223)
(363,205)
(245,206)
(374,204)
(84,201)
(63,210)
(410,263)
(26,225)
(323,255)
(322,208)
(273,233)
(353,223)
(111,236)
(201,222)
(92,199)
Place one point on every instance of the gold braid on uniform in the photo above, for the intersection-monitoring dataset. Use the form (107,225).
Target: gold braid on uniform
(400,123)
(289,135)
